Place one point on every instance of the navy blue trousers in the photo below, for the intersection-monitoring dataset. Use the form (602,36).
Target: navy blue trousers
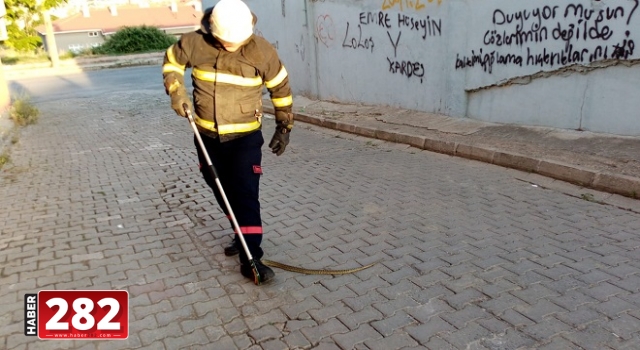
(238,164)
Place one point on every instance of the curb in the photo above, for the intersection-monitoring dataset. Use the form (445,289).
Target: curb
(624,185)
(81,65)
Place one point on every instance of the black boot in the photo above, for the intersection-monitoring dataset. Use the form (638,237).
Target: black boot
(232,249)
(266,273)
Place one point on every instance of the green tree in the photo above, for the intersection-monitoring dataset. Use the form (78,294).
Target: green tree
(25,12)
(29,13)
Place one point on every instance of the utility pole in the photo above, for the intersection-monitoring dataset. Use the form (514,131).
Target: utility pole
(52,48)
(5,100)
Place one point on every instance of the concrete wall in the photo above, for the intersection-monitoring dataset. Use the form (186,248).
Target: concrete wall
(569,64)
(78,41)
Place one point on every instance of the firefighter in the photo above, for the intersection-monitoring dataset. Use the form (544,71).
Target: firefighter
(230,67)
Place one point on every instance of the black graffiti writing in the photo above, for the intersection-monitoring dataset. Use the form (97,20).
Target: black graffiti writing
(519,38)
(592,32)
(550,58)
(520,17)
(599,53)
(546,57)
(356,41)
(380,18)
(487,60)
(624,49)
(394,44)
(509,59)
(427,26)
(632,10)
(581,12)
(588,34)
(484,60)
(584,22)
(608,13)
(424,26)
(583,30)
(406,68)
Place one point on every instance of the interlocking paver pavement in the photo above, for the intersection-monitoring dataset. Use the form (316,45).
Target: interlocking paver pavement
(598,161)
(104,193)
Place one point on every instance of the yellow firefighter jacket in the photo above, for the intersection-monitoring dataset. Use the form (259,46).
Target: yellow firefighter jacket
(227,86)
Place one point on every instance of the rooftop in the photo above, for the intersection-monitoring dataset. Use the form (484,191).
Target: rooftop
(109,20)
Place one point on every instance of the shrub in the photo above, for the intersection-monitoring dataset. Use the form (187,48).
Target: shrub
(23,112)
(135,40)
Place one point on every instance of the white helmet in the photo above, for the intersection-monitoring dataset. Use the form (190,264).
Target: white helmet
(231,21)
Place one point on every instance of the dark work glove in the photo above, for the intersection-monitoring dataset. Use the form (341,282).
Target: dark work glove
(280,140)
(179,98)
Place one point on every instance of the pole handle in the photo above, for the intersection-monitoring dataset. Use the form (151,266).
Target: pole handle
(219,185)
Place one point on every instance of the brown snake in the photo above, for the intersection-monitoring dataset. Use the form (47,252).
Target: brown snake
(315,272)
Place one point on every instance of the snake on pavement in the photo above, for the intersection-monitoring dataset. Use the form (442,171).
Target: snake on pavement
(313,271)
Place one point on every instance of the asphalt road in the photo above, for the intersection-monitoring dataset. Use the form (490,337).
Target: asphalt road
(104,193)
(89,84)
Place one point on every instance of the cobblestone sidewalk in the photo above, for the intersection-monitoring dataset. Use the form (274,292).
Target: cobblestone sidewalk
(104,193)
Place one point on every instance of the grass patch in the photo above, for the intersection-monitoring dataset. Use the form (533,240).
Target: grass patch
(4,159)
(23,112)
(588,197)
(12,57)
(24,59)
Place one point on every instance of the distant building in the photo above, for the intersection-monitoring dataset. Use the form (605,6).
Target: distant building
(91,27)
(71,7)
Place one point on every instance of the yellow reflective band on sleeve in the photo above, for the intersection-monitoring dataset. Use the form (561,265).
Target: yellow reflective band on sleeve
(228,129)
(170,68)
(172,58)
(278,79)
(226,78)
(283,101)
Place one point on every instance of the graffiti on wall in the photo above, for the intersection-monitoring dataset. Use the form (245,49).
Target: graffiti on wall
(403,5)
(553,36)
(300,48)
(353,39)
(325,30)
(372,30)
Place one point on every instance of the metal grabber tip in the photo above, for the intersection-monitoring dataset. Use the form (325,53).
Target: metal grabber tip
(257,279)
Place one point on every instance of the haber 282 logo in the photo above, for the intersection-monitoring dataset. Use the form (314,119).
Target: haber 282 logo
(77,314)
